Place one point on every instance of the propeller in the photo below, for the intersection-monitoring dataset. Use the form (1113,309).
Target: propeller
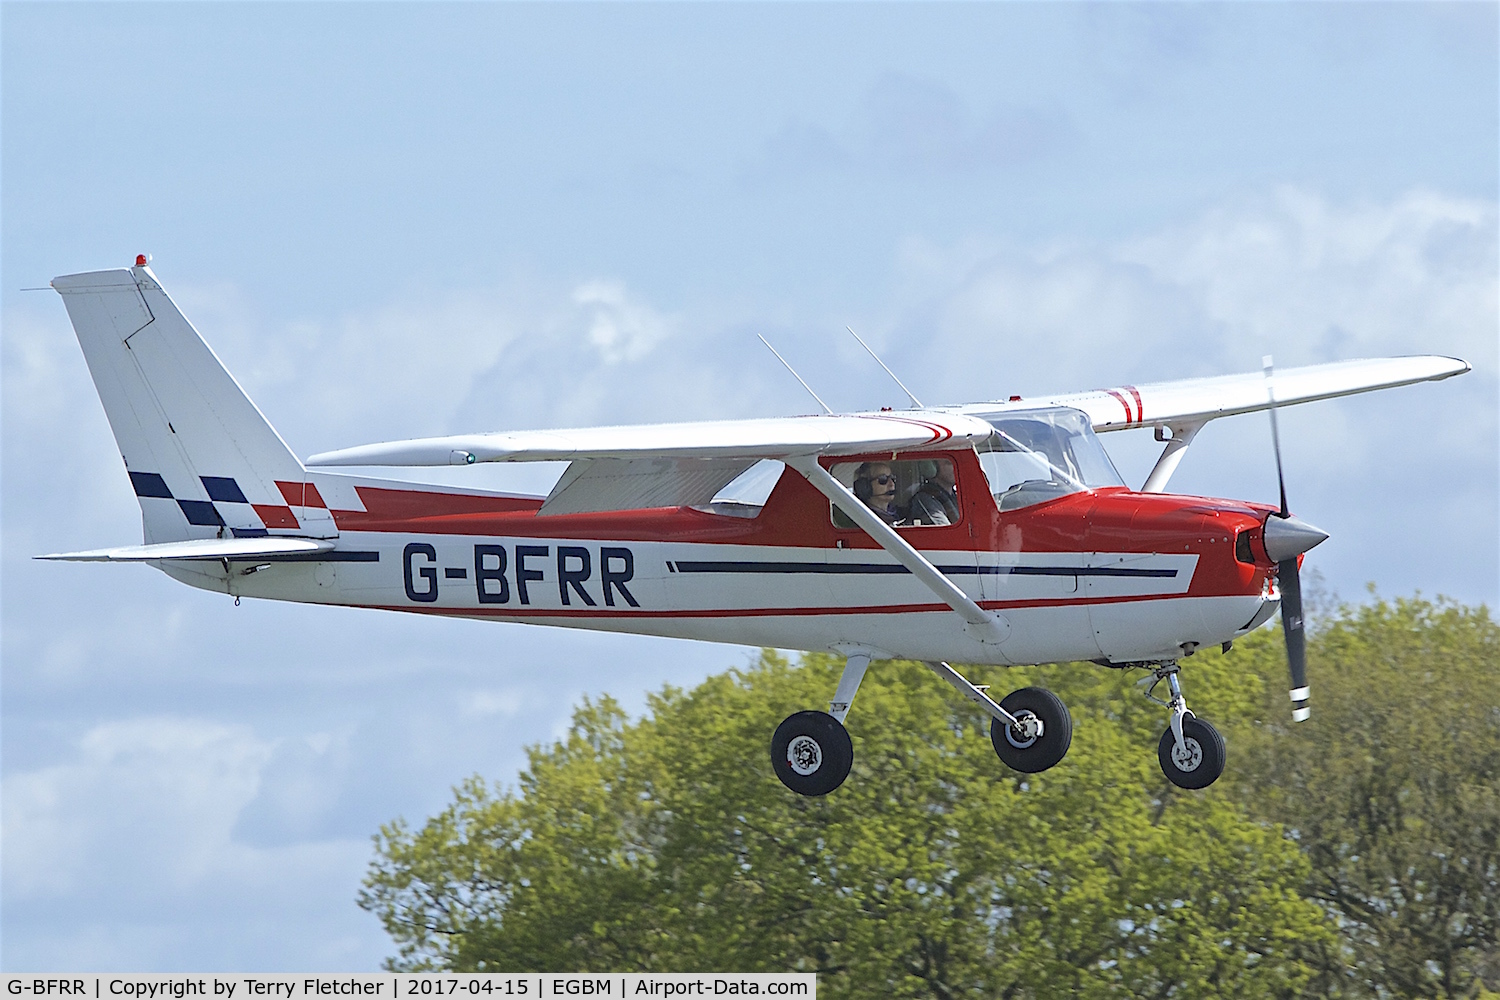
(1286,538)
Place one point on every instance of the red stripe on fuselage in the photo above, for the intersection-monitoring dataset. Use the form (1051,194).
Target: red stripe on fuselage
(873,609)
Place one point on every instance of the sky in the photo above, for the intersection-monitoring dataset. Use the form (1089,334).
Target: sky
(397,220)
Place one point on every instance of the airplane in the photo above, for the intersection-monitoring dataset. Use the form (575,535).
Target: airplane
(991,533)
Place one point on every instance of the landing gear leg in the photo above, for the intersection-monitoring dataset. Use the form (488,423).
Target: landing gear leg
(811,751)
(1191,751)
(1030,729)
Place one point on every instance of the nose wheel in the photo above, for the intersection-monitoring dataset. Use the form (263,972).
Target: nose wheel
(1191,751)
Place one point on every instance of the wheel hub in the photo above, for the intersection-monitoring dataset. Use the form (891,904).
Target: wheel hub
(1188,755)
(804,755)
(1027,731)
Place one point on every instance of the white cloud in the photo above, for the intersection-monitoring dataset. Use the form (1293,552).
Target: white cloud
(141,818)
(164,792)
(503,703)
(1292,274)
(621,327)
(1325,280)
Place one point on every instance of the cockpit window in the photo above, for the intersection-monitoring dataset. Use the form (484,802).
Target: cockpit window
(904,493)
(1043,454)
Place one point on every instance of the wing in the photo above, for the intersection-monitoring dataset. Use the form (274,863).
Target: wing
(774,437)
(671,465)
(1198,400)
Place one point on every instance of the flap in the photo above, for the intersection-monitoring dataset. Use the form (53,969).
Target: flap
(594,485)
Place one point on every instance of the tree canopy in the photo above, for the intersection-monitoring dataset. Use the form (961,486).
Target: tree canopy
(1352,855)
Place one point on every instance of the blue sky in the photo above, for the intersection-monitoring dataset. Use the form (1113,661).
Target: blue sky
(393,220)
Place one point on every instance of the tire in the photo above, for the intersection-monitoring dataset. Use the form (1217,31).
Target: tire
(1030,757)
(811,753)
(1205,760)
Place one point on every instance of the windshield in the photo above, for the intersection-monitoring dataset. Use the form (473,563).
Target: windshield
(1037,455)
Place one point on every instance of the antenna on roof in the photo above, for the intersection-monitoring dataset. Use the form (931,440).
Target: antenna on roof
(915,401)
(799,378)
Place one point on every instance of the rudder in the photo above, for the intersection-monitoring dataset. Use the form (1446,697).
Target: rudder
(204,461)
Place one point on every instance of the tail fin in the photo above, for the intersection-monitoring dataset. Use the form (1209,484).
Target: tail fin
(203,460)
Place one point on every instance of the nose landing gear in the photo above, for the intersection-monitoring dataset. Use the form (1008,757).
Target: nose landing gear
(1191,751)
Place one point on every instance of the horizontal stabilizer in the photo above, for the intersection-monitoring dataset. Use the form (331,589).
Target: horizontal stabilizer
(235,549)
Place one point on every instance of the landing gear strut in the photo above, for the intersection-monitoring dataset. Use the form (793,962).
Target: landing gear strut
(1191,751)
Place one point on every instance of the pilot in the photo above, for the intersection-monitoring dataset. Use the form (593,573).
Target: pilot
(876,486)
(936,500)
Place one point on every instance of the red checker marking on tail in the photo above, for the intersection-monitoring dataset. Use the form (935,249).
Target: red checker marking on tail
(301,494)
(276,517)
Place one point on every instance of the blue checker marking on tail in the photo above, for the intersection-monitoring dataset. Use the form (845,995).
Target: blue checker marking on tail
(201,512)
(223,489)
(149,484)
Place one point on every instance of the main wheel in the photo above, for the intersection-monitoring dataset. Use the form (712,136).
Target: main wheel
(812,753)
(1037,753)
(1203,760)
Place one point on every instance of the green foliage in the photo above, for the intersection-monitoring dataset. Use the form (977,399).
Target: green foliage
(1354,855)
(1393,791)
(666,844)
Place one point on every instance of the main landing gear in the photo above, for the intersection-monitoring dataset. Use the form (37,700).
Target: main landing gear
(812,754)
(1191,751)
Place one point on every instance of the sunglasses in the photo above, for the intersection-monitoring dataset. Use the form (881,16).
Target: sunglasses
(881,480)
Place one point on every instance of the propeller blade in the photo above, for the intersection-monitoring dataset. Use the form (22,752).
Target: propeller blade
(1286,538)
(1291,627)
(1275,436)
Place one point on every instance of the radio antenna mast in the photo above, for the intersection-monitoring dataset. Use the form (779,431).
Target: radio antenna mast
(915,401)
(799,378)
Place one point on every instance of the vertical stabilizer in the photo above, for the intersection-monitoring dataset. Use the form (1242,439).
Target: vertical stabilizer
(203,460)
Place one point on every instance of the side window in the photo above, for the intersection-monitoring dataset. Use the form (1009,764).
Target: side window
(905,493)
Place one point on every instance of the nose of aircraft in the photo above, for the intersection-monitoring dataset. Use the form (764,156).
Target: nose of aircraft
(1286,537)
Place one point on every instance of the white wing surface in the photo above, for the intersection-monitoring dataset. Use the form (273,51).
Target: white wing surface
(1198,400)
(773,437)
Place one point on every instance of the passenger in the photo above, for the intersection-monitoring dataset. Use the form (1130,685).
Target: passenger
(876,486)
(936,500)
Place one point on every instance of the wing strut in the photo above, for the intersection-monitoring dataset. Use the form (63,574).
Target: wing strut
(1171,455)
(985,625)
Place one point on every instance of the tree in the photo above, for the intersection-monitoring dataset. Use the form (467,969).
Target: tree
(666,844)
(1393,792)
